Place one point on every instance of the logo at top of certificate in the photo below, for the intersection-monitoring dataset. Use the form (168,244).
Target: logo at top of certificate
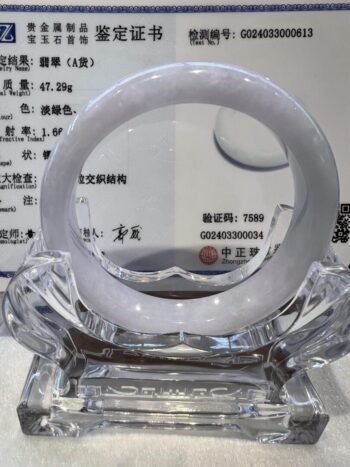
(7,32)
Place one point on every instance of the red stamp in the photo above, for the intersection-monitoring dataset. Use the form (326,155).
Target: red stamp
(208,255)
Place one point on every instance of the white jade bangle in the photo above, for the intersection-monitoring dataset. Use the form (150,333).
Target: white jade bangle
(248,143)
(307,239)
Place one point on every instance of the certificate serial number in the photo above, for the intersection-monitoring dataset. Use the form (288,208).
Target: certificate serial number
(232,235)
(276,33)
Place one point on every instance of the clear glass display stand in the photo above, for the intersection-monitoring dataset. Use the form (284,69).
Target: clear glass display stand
(89,373)
(234,362)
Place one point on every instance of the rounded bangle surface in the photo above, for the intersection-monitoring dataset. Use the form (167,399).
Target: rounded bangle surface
(308,237)
(248,143)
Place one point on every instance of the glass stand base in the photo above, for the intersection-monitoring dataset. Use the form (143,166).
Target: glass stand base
(252,382)
(249,401)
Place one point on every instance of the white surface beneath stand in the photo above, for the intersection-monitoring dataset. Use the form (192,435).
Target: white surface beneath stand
(118,447)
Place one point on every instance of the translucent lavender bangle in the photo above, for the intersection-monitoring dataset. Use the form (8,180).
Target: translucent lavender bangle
(307,239)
